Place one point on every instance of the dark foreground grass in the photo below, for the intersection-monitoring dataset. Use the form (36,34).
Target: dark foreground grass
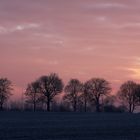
(68,126)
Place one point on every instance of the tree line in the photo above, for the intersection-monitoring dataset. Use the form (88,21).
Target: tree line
(77,96)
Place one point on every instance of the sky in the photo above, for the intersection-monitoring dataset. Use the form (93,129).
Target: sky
(74,38)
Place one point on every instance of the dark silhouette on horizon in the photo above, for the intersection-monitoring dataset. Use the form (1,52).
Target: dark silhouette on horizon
(5,91)
(50,86)
(129,95)
(97,88)
(72,90)
(93,95)
(32,94)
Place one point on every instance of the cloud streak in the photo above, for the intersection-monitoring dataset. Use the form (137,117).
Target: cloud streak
(18,28)
(107,5)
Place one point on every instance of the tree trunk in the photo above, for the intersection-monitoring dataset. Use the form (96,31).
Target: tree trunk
(48,106)
(75,106)
(97,105)
(85,106)
(130,108)
(133,108)
(1,106)
(34,107)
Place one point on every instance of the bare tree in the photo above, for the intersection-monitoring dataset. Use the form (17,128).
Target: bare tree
(72,89)
(127,94)
(138,94)
(5,91)
(33,94)
(85,96)
(98,87)
(50,86)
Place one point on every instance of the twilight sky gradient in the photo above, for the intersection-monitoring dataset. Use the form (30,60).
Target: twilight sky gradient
(75,38)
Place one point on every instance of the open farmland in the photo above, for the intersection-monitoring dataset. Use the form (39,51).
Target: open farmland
(68,126)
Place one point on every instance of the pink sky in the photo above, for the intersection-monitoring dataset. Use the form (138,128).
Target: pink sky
(74,38)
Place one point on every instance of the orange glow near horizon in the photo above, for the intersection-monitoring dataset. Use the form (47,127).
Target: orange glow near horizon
(74,38)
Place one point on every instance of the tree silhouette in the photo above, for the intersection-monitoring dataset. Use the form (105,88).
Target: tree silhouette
(138,93)
(33,94)
(85,96)
(5,91)
(72,89)
(128,95)
(98,87)
(50,86)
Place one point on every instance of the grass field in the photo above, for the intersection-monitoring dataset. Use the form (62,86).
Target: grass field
(68,126)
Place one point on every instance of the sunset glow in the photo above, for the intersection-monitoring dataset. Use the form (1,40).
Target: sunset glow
(74,38)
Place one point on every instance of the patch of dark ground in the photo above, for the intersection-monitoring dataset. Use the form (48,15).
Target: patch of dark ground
(68,126)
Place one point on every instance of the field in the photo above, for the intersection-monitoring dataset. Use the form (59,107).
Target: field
(68,126)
